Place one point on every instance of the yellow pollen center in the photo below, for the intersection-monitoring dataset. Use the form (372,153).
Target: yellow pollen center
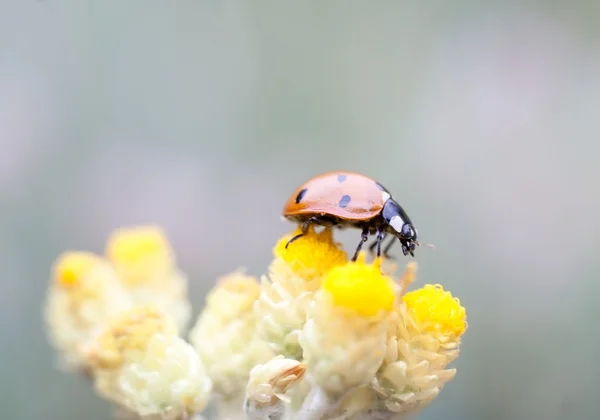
(435,310)
(71,266)
(242,288)
(129,246)
(312,255)
(360,287)
(132,330)
(241,284)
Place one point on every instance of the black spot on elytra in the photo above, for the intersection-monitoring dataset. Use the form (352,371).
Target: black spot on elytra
(345,200)
(300,195)
(342,178)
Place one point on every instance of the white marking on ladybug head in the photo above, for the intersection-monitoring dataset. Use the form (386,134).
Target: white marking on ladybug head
(385,196)
(396,222)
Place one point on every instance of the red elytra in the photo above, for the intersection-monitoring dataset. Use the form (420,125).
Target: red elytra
(350,199)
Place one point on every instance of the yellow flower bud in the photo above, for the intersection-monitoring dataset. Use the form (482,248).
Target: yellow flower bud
(312,255)
(225,334)
(140,363)
(130,331)
(436,311)
(146,264)
(344,339)
(72,266)
(425,341)
(84,294)
(295,275)
(139,253)
(360,287)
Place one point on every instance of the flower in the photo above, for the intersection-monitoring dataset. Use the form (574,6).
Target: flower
(295,275)
(344,339)
(140,363)
(425,341)
(85,293)
(225,334)
(318,337)
(310,256)
(435,311)
(271,380)
(268,385)
(146,264)
(360,288)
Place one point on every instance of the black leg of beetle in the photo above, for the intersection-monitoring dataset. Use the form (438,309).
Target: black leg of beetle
(363,238)
(372,246)
(298,236)
(387,250)
(377,241)
(305,226)
(380,236)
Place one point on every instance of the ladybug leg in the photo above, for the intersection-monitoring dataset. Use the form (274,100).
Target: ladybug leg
(305,225)
(387,250)
(377,242)
(298,236)
(363,238)
(380,236)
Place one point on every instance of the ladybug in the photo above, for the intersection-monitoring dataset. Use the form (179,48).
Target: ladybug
(351,200)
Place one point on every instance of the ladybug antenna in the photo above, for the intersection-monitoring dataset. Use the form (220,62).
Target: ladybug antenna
(427,245)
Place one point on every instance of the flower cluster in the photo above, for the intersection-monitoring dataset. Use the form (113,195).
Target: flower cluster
(118,318)
(317,337)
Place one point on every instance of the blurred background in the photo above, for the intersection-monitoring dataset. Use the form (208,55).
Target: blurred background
(202,117)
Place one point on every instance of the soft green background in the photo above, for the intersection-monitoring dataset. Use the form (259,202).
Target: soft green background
(202,116)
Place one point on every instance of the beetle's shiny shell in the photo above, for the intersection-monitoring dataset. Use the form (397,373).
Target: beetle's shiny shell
(346,195)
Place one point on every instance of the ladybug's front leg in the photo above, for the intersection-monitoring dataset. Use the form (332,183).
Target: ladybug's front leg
(363,238)
(313,220)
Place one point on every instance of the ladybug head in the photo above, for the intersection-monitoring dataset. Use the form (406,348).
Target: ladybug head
(400,225)
(408,239)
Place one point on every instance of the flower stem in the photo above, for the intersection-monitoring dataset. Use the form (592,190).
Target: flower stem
(230,408)
(315,405)
(270,412)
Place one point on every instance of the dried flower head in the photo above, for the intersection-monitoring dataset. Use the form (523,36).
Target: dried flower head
(269,382)
(295,275)
(318,337)
(344,339)
(425,341)
(140,363)
(84,294)
(146,264)
(225,334)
